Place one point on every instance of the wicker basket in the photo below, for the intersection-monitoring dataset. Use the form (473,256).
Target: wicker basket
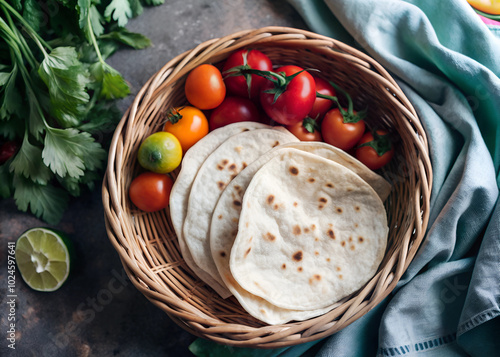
(147,244)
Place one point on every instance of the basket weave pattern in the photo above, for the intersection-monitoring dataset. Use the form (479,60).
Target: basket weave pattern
(146,242)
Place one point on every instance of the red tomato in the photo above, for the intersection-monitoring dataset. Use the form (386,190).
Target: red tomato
(322,105)
(305,130)
(297,97)
(338,133)
(233,110)
(7,150)
(379,151)
(204,87)
(236,83)
(150,191)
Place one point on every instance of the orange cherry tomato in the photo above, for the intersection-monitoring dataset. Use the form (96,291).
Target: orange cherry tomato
(188,124)
(375,152)
(305,130)
(150,191)
(204,87)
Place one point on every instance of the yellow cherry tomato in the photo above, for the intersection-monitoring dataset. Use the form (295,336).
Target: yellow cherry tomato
(160,152)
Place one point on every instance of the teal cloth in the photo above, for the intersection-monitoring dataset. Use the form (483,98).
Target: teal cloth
(447,61)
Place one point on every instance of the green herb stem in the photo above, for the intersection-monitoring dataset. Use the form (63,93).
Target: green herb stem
(33,34)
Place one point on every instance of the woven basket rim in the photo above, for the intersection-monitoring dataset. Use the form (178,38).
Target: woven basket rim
(120,222)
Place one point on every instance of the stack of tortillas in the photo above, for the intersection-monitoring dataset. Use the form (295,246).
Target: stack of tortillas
(287,227)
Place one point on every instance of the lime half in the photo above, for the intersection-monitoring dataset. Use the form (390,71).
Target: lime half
(43,258)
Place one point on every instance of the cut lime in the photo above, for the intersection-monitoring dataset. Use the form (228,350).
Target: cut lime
(43,258)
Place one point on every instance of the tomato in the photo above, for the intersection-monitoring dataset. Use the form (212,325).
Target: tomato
(7,150)
(204,87)
(322,105)
(160,152)
(306,130)
(375,152)
(241,84)
(287,98)
(338,133)
(233,110)
(188,124)
(150,191)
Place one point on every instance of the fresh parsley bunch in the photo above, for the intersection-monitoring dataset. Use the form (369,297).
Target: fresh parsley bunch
(56,95)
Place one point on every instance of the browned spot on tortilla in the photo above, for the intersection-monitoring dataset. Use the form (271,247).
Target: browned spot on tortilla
(342,243)
(232,167)
(269,236)
(250,240)
(225,162)
(295,204)
(328,259)
(361,239)
(356,225)
(248,251)
(237,188)
(338,269)
(316,253)
(340,276)
(352,247)
(276,143)
(300,269)
(243,165)
(283,266)
(222,254)
(331,233)
(238,149)
(311,179)
(313,227)
(339,210)
(330,185)
(245,130)
(350,239)
(246,224)
(233,176)
(220,216)
(357,208)
(349,189)
(316,239)
(321,206)
(293,170)
(237,203)
(235,220)
(263,311)
(221,185)
(276,206)
(297,256)
(306,229)
(323,200)
(220,167)
(270,199)
(297,230)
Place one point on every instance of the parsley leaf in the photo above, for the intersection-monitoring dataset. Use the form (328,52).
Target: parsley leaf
(33,14)
(120,11)
(70,152)
(45,201)
(132,39)
(66,79)
(28,162)
(113,84)
(90,19)
(10,100)
(154,2)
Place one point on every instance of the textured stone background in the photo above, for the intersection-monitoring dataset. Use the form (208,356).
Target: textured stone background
(98,312)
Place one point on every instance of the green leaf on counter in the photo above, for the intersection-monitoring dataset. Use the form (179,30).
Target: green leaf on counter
(113,84)
(124,36)
(66,79)
(120,11)
(44,201)
(70,152)
(28,163)
(154,2)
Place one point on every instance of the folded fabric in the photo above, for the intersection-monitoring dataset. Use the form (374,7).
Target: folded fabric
(448,64)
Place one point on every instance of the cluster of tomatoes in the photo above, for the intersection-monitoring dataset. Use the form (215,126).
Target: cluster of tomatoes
(247,88)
